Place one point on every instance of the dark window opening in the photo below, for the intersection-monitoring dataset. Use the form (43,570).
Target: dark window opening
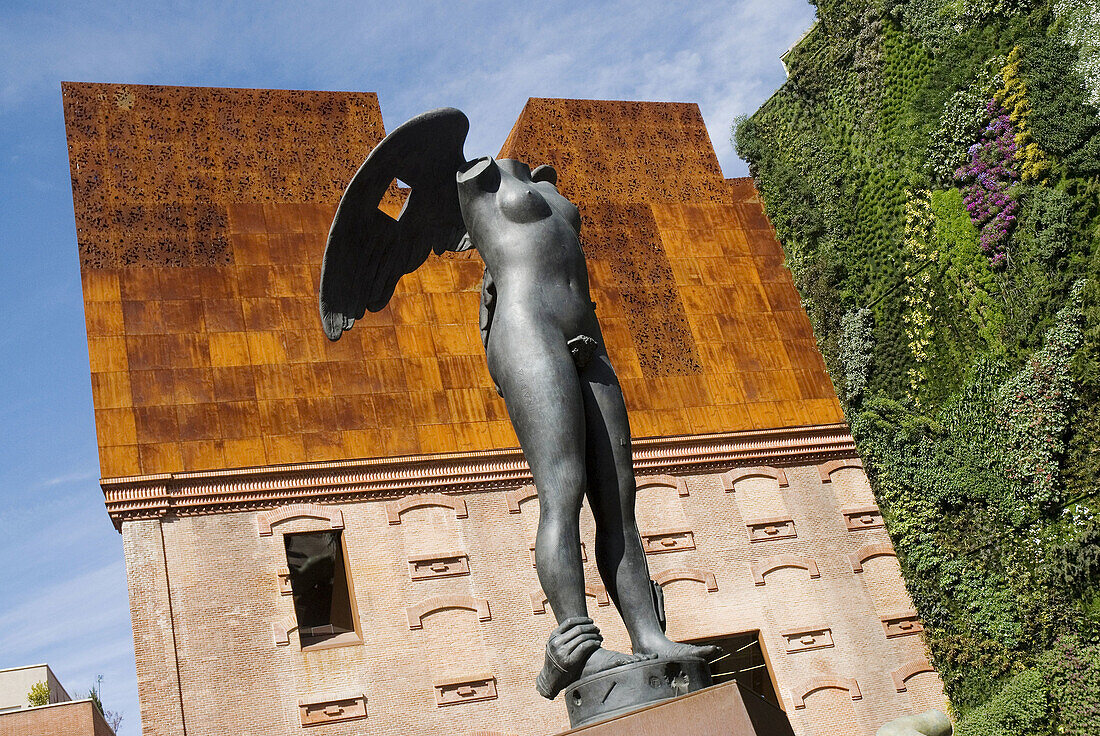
(743,661)
(319,582)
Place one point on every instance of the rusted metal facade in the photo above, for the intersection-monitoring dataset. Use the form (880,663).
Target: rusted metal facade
(201,220)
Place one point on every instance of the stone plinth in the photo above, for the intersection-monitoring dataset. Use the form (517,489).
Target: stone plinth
(721,710)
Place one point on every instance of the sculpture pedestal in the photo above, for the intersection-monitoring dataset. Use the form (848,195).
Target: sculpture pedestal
(632,686)
(721,710)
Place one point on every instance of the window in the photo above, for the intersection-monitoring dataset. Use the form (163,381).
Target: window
(319,583)
(743,661)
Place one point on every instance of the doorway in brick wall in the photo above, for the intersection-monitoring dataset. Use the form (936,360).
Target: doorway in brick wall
(744,661)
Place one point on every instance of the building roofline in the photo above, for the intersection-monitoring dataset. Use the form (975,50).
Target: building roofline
(343,481)
(26,667)
(801,38)
(49,705)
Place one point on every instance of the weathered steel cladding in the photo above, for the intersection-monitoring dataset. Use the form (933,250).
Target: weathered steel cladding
(201,220)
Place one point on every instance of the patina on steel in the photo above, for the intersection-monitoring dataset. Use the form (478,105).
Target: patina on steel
(545,352)
(616,691)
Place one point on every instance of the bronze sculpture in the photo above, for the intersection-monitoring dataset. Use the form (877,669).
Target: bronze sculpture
(544,349)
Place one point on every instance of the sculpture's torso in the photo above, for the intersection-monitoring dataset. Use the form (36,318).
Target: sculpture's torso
(528,235)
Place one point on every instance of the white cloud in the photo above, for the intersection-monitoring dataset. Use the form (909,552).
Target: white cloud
(723,56)
(78,476)
(63,597)
(486,57)
(67,611)
(80,625)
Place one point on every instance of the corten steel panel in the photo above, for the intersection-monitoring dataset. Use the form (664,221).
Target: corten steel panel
(201,220)
(701,318)
(743,189)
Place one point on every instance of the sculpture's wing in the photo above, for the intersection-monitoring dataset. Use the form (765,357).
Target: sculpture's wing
(368,251)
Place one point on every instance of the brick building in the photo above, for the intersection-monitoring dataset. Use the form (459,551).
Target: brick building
(241,452)
(60,716)
(16,684)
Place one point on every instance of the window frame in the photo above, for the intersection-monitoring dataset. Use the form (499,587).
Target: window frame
(352,637)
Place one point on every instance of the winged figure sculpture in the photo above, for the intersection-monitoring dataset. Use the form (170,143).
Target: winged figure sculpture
(544,350)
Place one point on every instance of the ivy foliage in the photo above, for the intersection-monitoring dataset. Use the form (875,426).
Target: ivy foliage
(933,170)
(1054,697)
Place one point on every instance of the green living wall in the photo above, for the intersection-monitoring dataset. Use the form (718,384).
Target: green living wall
(933,170)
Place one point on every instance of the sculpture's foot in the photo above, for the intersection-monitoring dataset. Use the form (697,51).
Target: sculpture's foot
(556,675)
(669,649)
(605,659)
(552,680)
(571,644)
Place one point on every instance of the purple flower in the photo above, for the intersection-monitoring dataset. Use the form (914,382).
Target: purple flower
(989,176)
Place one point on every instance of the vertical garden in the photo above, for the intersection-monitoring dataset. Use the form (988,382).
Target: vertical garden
(932,168)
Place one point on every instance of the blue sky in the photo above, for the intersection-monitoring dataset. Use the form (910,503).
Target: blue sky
(63,596)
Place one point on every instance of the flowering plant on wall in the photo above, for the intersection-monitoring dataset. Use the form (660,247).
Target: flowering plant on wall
(994,106)
(990,176)
(1033,162)
(918,254)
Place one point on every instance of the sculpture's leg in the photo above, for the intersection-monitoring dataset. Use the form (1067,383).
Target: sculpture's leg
(612,492)
(543,395)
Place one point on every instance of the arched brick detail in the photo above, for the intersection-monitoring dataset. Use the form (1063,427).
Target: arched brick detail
(283,578)
(730,478)
(868,551)
(516,496)
(280,630)
(688,573)
(903,623)
(539,599)
(417,612)
(825,682)
(760,568)
(666,481)
(267,519)
(394,509)
(909,669)
(826,470)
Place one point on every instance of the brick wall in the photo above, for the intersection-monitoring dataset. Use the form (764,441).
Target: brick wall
(835,667)
(72,718)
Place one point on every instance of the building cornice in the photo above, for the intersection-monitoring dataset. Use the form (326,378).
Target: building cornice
(240,489)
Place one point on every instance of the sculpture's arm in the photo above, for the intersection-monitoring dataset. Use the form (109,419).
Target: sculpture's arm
(488,311)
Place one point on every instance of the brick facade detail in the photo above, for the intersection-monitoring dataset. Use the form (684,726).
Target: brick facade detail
(458,654)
